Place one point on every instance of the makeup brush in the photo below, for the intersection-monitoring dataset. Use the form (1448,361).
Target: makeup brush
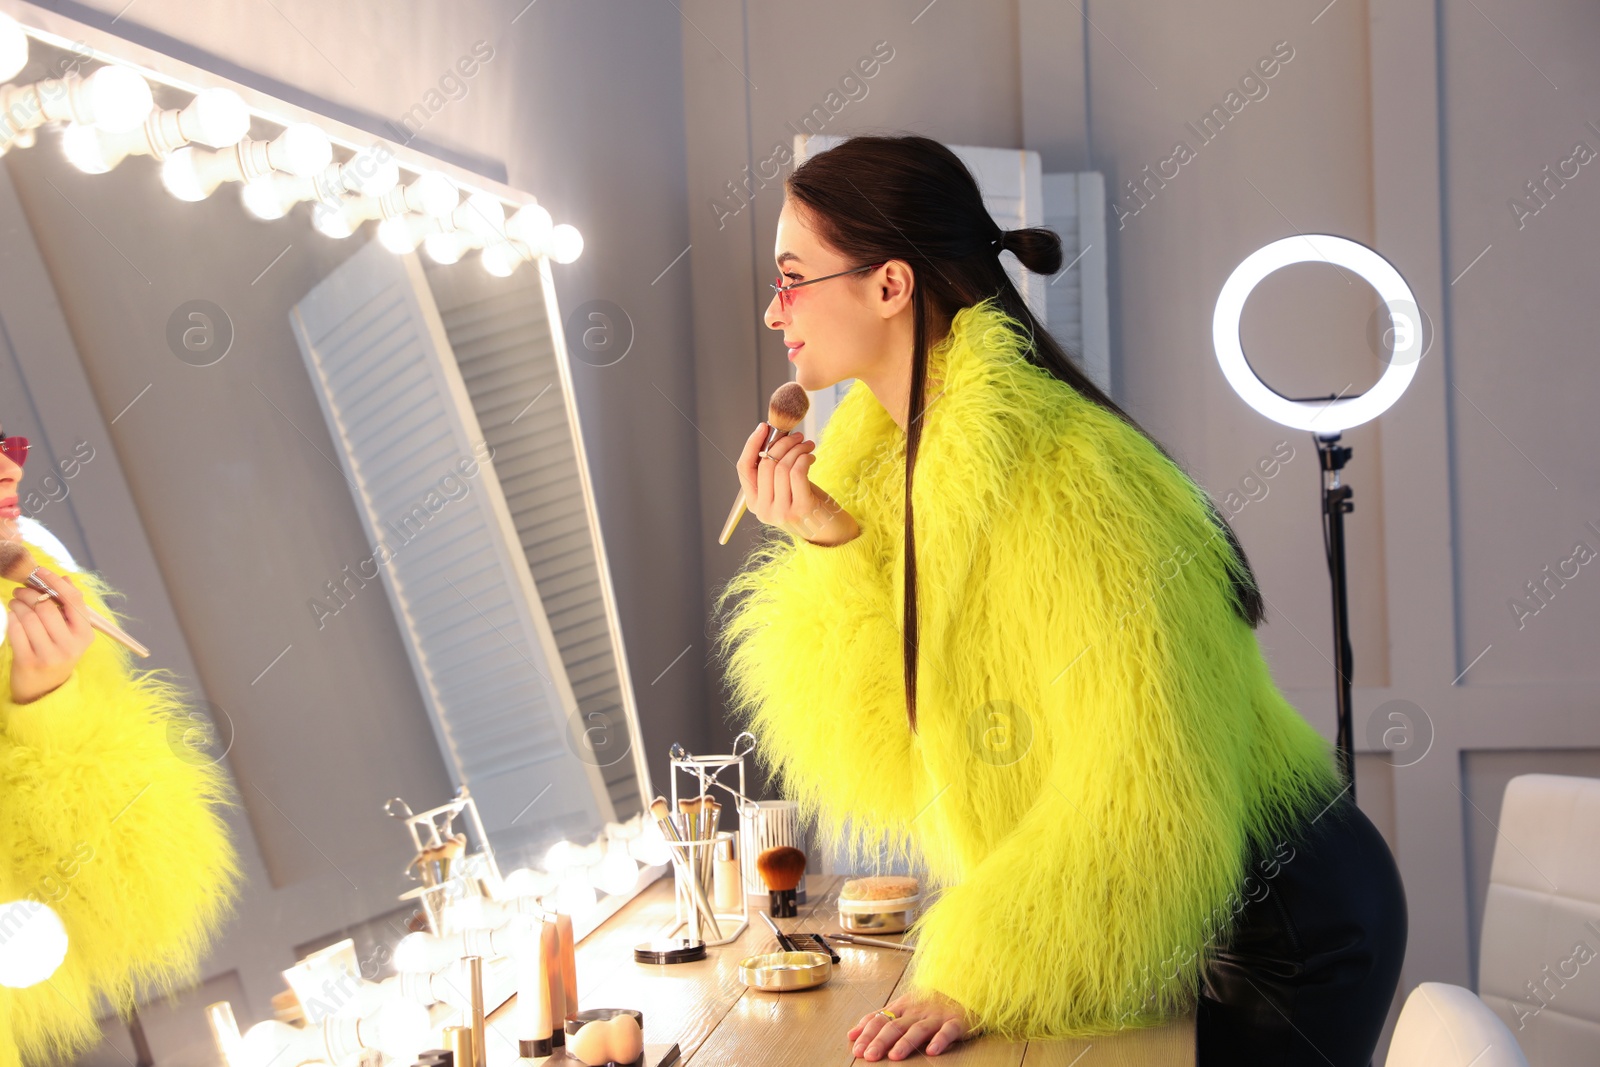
(701,814)
(18,564)
(852,939)
(662,812)
(782,868)
(784,941)
(787,407)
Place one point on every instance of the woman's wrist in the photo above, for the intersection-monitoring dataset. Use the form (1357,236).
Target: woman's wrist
(828,524)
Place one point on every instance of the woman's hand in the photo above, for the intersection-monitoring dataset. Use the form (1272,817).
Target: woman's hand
(779,492)
(928,1018)
(46,642)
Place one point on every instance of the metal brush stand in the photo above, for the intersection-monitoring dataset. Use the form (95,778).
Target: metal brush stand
(704,771)
(476,874)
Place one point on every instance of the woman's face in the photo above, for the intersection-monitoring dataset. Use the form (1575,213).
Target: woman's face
(10,505)
(843,327)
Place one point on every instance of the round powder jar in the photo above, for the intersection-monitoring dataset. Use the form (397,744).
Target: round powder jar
(879,904)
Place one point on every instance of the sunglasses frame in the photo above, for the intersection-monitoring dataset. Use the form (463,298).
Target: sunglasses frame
(786,301)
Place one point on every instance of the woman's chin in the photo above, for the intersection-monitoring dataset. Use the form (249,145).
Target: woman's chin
(10,530)
(811,381)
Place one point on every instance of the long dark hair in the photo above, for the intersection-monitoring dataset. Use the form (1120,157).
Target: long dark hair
(925,208)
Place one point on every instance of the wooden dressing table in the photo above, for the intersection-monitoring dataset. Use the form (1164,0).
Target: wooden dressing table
(717,1022)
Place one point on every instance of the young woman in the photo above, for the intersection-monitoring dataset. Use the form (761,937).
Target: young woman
(107,809)
(1003,635)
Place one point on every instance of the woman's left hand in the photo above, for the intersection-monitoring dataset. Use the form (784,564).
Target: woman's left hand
(926,1018)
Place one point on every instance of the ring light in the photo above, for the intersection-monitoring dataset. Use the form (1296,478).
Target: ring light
(1323,416)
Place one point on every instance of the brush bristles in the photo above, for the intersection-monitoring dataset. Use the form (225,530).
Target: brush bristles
(788,406)
(16,562)
(782,867)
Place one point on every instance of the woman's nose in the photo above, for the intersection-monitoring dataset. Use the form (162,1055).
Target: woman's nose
(774,322)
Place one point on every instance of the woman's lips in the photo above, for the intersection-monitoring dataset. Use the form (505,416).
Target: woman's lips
(795,348)
(9,509)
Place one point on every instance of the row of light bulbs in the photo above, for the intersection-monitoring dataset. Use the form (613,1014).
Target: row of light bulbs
(110,115)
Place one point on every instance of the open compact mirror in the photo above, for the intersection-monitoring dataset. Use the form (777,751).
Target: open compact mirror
(302,395)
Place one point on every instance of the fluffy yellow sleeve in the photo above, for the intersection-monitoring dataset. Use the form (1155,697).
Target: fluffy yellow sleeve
(110,819)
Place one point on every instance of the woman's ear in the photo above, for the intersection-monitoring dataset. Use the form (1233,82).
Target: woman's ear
(895,289)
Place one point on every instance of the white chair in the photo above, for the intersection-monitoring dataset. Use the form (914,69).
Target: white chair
(1448,1026)
(1539,957)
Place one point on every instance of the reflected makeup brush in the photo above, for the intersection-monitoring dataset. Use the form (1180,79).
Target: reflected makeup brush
(18,564)
(787,407)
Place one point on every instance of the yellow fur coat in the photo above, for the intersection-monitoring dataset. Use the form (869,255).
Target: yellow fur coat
(1098,736)
(108,815)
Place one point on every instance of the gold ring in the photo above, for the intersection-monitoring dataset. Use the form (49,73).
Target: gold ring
(886,1013)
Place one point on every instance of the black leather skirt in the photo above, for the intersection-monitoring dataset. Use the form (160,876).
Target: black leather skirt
(1308,972)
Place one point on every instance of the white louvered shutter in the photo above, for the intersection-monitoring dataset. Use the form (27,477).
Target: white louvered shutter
(459,584)
(1080,312)
(506,350)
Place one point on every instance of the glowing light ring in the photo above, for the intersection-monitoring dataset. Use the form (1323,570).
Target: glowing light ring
(1323,416)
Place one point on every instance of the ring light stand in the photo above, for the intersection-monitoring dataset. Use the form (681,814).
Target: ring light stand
(1326,417)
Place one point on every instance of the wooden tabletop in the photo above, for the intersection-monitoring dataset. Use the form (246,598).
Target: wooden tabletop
(717,1022)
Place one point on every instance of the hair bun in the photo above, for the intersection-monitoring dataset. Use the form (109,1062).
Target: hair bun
(1037,247)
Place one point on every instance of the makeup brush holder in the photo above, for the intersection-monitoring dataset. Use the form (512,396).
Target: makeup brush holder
(765,824)
(474,873)
(696,855)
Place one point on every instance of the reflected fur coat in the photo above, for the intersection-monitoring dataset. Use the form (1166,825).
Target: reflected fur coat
(1099,740)
(109,815)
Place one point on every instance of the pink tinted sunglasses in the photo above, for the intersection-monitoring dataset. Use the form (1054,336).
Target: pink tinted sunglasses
(14,448)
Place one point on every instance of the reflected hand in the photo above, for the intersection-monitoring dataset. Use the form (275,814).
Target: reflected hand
(46,641)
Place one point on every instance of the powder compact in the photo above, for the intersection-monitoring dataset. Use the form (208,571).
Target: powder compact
(779,972)
(879,904)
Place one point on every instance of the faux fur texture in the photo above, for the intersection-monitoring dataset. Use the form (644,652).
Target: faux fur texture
(108,814)
(1098,739)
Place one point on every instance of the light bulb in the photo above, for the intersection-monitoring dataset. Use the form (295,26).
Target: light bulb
(428,953)
(413,954)
(398,235)
(576,895)
(81,145)
(617,873)
(434,194)
(261,198)
(181,176)
(13,48)
(443,248)
(481,215)
(560,856)
(116,99)
(215,117)
(34,945)
(649,848)
(399,1028)
(301,149)
(370,172)
(502,257)
(276,1044)
(565,243)
(332,220)
(531,225)
(523,882)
